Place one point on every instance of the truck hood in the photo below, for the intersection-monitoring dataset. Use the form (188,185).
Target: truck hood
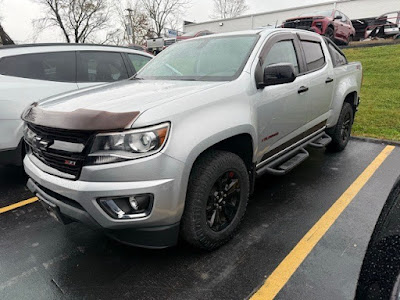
(129,95)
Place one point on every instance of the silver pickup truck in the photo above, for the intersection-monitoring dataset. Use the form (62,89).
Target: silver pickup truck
(175,151)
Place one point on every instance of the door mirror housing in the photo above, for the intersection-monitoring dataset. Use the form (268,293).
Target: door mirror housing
(278,74)
(339,17)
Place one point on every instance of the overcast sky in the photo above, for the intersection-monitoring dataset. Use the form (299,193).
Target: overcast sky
(17,15)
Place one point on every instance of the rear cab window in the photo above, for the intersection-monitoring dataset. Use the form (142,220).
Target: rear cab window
(338,58)
(49,66)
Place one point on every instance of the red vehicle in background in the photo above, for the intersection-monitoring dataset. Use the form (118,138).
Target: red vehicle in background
(191,35)
(331,23)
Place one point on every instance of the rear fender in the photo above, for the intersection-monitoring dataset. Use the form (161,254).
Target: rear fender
(338,101)
(348,80)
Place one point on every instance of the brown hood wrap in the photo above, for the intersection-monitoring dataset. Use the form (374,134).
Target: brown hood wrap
(80,119)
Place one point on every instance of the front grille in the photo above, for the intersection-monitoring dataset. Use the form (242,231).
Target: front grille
(299,23)
(63,161)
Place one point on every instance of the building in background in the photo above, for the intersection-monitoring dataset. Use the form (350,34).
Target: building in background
(354,9)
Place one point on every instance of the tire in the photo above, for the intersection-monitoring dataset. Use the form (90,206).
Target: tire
(349,40)
(200,224)
(340,134)
(330,33)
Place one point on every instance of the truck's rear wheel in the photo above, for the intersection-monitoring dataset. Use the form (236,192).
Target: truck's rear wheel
(340,134)
(216,200)
(349,40)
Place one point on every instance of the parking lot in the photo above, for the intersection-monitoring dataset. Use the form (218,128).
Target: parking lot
(41,259)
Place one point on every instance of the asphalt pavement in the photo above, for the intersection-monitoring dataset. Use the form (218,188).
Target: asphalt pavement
(41,259)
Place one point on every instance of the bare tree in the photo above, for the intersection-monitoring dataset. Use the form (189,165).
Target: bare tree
(78,20)
(133,22)
(175,23)
(114,37)
(161,11)
(224,9)
(4,38)
(1,10)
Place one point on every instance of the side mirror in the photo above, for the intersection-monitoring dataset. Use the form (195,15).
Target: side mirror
(339,17)
(278,74)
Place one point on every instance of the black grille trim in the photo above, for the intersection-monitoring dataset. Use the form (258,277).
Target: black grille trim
(57,159)
(300,23)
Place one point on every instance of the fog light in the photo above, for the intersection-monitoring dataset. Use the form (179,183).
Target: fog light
(131,207)
(134,203)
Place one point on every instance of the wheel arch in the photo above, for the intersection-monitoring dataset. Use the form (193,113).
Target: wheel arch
(351,97)
(240,140)
(331,25)
(241,145)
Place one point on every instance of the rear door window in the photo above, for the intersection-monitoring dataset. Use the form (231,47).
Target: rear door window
(53,66)
(314,54)
(138,61)
(97,66)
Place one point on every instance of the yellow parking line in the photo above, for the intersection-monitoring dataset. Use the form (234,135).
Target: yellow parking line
(19,204)
(281,275)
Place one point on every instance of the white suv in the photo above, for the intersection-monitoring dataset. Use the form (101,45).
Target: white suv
(29,73)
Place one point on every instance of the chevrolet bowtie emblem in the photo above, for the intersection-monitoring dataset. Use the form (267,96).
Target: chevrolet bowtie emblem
(42,143)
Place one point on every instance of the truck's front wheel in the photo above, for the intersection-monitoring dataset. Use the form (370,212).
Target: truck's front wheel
(330,33)
(216,200)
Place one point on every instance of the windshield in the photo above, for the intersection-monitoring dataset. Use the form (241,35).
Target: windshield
(209,59)
(325,13)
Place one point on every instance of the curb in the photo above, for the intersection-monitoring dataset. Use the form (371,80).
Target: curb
(370,45)
(375,141)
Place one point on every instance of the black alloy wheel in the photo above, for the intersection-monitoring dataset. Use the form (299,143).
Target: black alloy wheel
(216,200)
(341,133)
(223,201)
(346,127)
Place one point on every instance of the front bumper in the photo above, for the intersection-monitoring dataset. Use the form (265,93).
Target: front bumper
(78,200)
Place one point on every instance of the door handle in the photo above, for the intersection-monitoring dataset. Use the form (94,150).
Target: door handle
(303,89)
(329,80)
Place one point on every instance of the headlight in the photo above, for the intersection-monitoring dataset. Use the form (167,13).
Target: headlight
(127,145)
(29,135)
